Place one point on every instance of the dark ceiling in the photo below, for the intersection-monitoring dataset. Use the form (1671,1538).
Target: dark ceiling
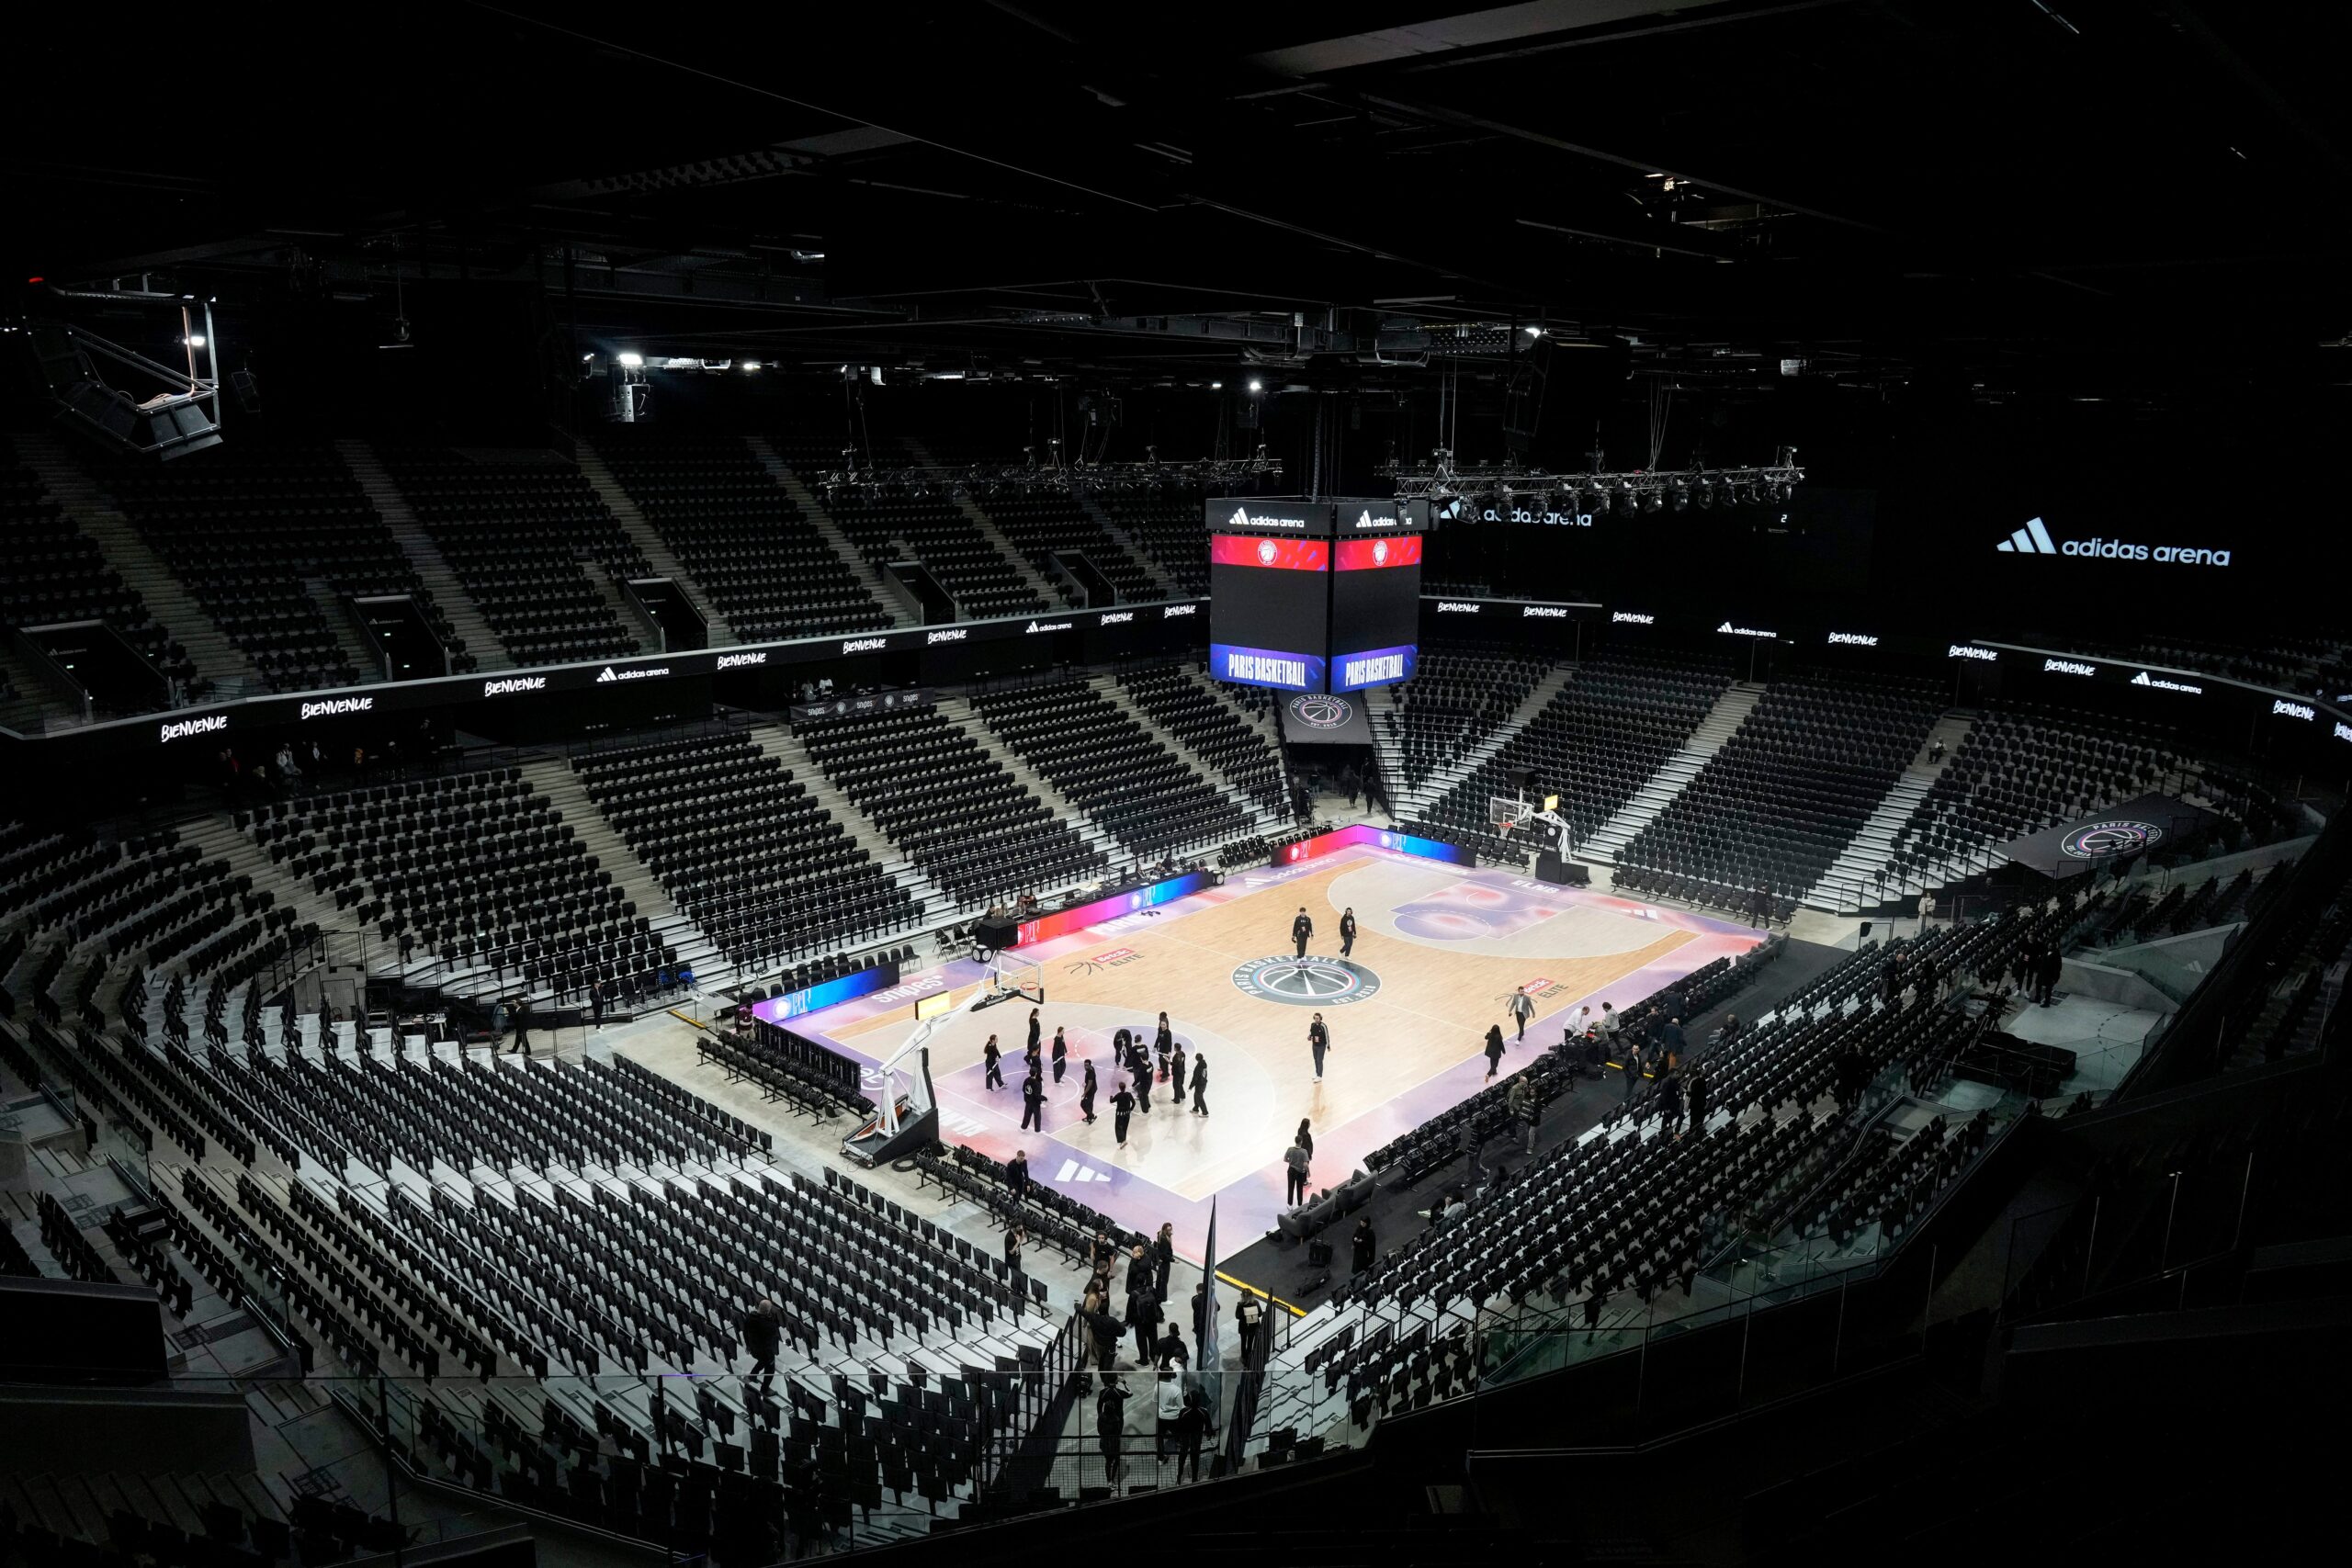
(2099,197)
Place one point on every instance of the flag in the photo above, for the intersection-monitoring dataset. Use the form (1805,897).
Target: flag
(1212,1368)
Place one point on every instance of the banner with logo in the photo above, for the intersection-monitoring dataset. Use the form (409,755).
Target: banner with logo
(1317,720)
(877,702)
(2110,836)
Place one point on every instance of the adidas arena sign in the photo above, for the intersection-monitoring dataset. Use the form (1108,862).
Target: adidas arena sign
(2034,539)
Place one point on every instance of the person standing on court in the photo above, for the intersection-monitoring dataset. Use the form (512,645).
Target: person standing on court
(1319,1039)
(994,1078)
(1061,1055)
(1033,1102)
(1294,1175)
(1123,1106)
(1139,1074)
(1037,1032)
(1086,1093)
(1301,927)
(1163,1041)
(1494,1051)
(1347,932)
(1199,1085)
(1523,1008)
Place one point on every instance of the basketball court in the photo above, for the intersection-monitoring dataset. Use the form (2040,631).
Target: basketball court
(1439,949)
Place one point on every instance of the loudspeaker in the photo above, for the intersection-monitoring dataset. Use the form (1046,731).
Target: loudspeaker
(1864,935)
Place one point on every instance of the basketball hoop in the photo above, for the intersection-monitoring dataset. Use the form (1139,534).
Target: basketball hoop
(1505,813)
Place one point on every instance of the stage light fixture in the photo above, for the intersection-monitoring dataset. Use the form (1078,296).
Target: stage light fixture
(629,361)
(1256,385)
(1652,501)
(750,364)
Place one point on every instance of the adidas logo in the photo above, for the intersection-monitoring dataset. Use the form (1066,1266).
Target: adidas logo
(2033,539)
(2145,679)
(1073,1171)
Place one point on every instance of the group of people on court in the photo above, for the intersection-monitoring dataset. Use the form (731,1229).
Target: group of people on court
(1139,1061)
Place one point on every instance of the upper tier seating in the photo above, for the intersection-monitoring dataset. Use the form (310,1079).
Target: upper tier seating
(474,869)
(1112,769)
(1785,794)
(1178,704)
(1040,525)
(516,533)
(762,565)
(953,809)
(1171,531)
(935,530)
(52,571)
(250,529)
(739,845)
(1458,693)
(1598,740)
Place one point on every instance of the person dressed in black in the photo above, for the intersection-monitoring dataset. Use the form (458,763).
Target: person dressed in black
(1032,1103)
(1016,1176)
(1248,1314)
(522,1016)
(1086,1092)
(1061,1054)
(1163,1041)
(1494,1051)
(1301,927)
(2047,973)
(994,1058)
(1347,932)
(1367,1245)
(764,1336)
(1190,1427)
(1319,1039)
(1013,1238)
(1122,1107)
(1037,1032)
(1163,1260)
(1144,1312)
(1176,1074)
(1139,1074)
(1200,1084)
(1111,1425)
(596,1002)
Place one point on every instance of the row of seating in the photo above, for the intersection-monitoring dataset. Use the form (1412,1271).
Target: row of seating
(1111,768)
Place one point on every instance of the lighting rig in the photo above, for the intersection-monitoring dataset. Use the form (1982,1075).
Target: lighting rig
(1471,490)
(852,480)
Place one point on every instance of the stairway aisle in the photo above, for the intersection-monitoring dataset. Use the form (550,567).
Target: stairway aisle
(886,599)
(553,777)
(1434,788)
(938,907)
(1051,598)
(1260,818)
(1674,774)
(118,540)
(962,713)
(449,595)
(1851,882)
(649,543)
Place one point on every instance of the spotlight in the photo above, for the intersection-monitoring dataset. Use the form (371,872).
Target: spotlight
(629,361)
(1707,492)
(194,340)
(1256,385)
(1216,386)
(750,365)
(1652,501)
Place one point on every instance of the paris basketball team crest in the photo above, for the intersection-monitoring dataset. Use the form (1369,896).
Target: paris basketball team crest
(1309,982)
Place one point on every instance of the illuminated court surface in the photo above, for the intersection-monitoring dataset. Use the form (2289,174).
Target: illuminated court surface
(1439,949)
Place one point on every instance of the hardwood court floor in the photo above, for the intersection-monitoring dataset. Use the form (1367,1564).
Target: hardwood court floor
(1446,946)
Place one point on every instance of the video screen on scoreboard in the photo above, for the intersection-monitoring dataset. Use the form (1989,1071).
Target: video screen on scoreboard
(1268,612)
(1376,611)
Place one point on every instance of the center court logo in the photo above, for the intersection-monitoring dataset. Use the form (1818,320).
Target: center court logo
(2034,539)
(1317,711)
(1310,982)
